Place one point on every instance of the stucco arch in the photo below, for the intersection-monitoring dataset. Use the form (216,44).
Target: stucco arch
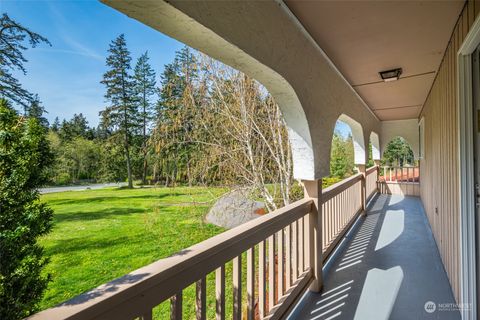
(399,136)
(176,24)
(357,137)
(275,49)
(375,142)
(407,129)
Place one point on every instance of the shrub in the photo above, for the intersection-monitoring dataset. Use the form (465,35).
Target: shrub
(24,159)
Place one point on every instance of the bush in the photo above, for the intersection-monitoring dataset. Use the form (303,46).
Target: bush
(24,159)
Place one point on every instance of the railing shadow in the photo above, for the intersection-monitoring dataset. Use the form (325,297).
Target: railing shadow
(409,262)
(110,287)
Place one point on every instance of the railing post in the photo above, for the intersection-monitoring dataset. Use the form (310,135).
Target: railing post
(377,163)
(362,169)
(313,190)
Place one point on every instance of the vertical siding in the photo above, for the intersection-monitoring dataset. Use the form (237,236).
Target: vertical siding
(439,168)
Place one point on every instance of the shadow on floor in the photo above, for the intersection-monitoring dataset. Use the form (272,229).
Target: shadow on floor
(390,268)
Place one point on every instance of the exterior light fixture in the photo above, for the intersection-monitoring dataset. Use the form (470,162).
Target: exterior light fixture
(391,75)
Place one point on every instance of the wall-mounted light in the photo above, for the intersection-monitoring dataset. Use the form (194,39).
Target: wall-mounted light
(391,75)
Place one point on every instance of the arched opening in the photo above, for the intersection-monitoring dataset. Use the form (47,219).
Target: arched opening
(347,149)
(373,149)
(357,139)
(398,162)
(398,152)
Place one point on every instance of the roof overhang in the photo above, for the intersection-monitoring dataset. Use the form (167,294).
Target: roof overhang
(363,38)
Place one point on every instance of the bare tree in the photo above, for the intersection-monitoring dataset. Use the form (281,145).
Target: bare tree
(248,132)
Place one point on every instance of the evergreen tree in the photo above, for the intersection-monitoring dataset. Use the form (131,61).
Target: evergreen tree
(121,114)
(338,157)
(176,111)
(145,89)
(12,44)
(36,110)
(25,158)
(55,125)
(398,152)
(75,127)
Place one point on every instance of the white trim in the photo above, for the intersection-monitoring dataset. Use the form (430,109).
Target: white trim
(466,171)
(324,55)
(421,138)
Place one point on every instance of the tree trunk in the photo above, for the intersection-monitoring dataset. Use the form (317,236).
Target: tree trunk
(144,146)
(129,167)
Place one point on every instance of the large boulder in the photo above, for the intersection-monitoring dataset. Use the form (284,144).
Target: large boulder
(234,209)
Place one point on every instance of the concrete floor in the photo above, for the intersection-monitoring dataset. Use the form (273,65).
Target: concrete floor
(388,267)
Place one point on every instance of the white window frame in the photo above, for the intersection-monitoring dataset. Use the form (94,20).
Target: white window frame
(466,172)
(421,138)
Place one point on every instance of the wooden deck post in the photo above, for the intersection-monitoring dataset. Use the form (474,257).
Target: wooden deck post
(313,190)
(377,163)
(362,169)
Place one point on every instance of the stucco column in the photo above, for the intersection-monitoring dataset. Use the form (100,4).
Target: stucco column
(313,191)
(362,169)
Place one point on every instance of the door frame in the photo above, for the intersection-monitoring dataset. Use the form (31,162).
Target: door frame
(466,172)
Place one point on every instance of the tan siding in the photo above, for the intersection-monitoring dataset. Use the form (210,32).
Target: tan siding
(439,168)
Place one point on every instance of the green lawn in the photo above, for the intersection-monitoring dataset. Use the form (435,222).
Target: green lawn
(100,235)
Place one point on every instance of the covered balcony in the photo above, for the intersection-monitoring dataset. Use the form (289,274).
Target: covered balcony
(385,243)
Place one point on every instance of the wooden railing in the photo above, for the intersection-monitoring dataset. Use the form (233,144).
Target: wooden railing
(284,234)
(371,180)
(341,203)
(400,174)
(280,250)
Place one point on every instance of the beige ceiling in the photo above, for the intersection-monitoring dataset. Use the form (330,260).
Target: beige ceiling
(365,37)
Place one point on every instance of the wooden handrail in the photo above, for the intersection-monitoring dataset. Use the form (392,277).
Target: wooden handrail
(137,293)
(145,288)
(371,170)
(398,167)
(391,174)
(339,187)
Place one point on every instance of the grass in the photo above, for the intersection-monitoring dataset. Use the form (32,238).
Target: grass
(100,235)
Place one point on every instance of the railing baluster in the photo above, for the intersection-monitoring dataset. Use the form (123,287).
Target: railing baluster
(261,280)
(271,272)
(288,257)
(295,251)
(251,283)
(147,315)
(280,264)
(237,288)
(300,247)
(194,265)
(176,306)
(201,299)
(220,292)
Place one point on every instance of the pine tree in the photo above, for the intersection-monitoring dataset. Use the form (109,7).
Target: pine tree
(121,114)
(55,125)
(145,89)
(36,110)
(176,113)
(341,156)
(12,44)
(398,152)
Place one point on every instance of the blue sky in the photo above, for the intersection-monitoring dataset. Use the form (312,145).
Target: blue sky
(67,75)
